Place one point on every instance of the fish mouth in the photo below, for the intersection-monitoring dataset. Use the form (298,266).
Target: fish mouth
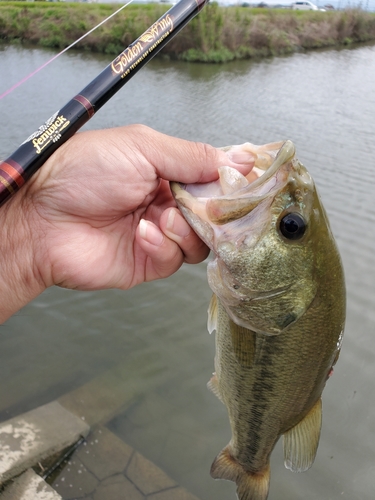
(238,218)
(234,195)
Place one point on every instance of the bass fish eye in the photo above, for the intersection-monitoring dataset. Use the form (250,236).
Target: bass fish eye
(292,226)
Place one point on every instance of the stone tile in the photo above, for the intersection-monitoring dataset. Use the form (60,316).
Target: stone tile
(173,494)
(29,486)
(148,409)
(35,437)
(103,397)
(194,453)
(142,437)
(147,476)
(75,481)
(117,488)
(104,454)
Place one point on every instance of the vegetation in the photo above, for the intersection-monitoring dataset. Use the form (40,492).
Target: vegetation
(217,34)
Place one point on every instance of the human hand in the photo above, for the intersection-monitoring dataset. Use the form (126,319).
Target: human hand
(100,214)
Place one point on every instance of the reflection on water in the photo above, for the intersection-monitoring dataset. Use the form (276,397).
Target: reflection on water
(325,103)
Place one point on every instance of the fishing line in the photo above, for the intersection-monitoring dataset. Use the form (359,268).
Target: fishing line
(62,52)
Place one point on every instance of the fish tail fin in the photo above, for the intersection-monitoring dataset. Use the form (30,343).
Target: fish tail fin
(250,485)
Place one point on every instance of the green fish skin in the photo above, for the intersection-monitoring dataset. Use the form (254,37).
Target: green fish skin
(278,309)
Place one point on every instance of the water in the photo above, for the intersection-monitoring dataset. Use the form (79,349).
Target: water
(325,103)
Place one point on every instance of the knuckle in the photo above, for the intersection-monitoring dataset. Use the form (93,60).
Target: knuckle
(205,154)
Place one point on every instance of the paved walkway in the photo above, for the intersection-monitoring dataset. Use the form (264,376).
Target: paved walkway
(106,468)
(103,467)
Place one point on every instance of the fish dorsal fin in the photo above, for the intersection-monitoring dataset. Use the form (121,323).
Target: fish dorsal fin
(301,441)
(250,485)
(244,344)
(212,315)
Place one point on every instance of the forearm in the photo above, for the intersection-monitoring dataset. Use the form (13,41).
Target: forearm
(19,281)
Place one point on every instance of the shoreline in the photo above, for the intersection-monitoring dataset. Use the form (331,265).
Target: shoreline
(216,35)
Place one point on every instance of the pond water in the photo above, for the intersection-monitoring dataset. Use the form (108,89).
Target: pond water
(325,103)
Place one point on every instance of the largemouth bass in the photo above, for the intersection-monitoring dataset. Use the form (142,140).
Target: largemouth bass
(278,309)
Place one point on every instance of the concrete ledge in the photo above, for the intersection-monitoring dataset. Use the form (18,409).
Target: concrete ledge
(29,486)
(36,437)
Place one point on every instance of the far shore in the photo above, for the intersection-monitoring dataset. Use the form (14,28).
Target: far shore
(217,34)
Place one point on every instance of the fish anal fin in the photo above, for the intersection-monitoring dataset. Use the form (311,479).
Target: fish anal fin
(213,385)
(212,315)
(244,344)
(301,441)
(250,485)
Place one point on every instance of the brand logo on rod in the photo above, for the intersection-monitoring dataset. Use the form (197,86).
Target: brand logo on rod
(146,43)
(49,132)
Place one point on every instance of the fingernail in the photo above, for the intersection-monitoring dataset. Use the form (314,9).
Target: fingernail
(177,225)
(149,232)
(240,157)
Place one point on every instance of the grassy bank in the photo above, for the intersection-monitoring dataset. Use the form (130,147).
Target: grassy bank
(217,34)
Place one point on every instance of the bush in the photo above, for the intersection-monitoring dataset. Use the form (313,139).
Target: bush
(217,34)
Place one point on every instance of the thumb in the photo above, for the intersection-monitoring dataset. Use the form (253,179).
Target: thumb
(184,161)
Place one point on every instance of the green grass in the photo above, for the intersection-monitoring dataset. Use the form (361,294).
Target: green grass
(217,34)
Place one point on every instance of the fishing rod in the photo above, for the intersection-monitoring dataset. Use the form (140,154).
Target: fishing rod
(35,151)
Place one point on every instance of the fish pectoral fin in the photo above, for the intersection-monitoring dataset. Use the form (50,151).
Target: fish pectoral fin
(301,441)
(212,315)
(250,485)
(213,385)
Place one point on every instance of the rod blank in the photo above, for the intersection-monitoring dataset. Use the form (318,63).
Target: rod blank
(37,148)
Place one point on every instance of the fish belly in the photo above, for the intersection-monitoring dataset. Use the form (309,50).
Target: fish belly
(269,384)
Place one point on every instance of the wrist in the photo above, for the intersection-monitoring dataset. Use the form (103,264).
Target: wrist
(20,282)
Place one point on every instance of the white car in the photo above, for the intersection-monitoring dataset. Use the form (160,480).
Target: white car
(305,5)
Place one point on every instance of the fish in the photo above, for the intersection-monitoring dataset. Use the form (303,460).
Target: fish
(278,309)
